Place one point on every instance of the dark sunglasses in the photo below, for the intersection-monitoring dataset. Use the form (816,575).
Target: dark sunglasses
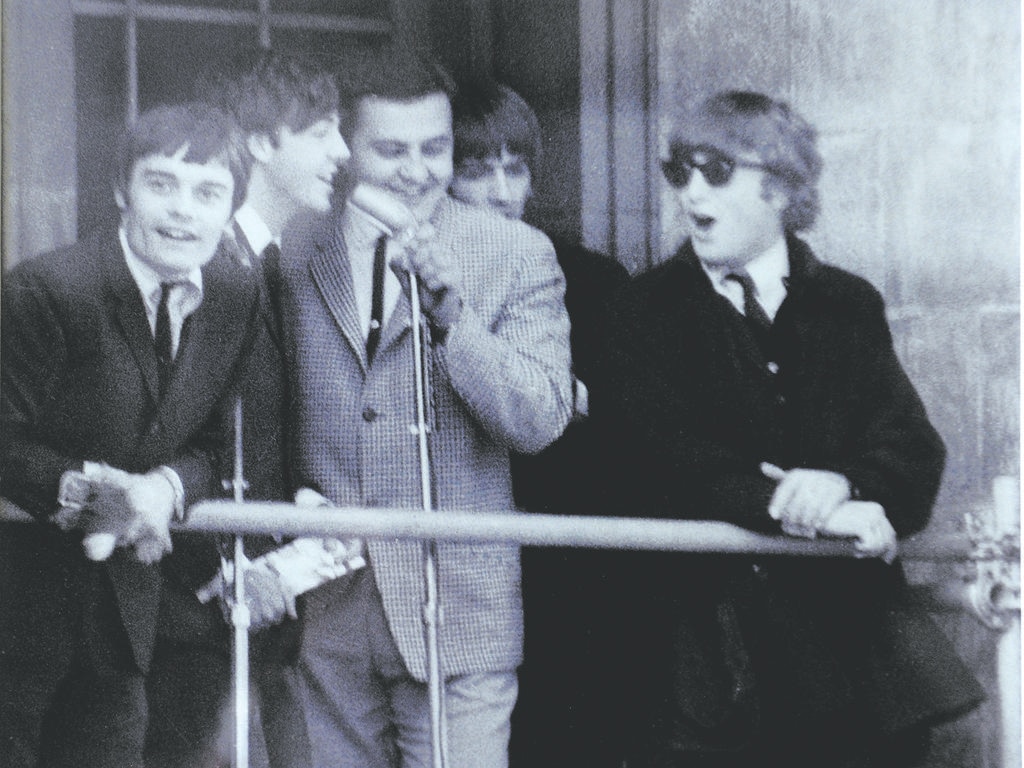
(717,170)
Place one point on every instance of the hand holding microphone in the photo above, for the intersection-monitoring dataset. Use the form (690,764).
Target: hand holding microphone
(437,276)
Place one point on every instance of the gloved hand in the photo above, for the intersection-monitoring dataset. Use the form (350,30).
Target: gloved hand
(265,595)
(120,509)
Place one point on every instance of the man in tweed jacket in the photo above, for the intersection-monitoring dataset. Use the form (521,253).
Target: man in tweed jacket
(492,292)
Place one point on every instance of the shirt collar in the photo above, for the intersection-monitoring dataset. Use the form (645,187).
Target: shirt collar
(768,270)
(360,230)
(255,229)
(147,278)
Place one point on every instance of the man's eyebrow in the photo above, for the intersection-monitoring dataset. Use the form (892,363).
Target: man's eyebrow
(212,183)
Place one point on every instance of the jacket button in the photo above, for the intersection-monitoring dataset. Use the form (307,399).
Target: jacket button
(155,428)
(369,414)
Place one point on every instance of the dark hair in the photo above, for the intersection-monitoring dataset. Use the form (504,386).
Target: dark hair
(393,72)
(266,90)
(209,133)
(743,122)
(488,116)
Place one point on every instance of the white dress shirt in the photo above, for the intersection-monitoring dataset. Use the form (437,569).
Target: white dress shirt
(768,271)
(361,235)
(255,229)
(184,299)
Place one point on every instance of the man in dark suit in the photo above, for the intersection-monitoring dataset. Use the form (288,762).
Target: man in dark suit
(120,355)
(563,715)
(759,386)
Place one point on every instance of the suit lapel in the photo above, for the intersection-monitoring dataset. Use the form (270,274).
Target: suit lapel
(329,268)
(130,314)
(216,333)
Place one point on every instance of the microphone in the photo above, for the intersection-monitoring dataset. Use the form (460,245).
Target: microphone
(390,215)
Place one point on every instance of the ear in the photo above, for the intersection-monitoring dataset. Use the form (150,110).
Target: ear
(260,146)
(776,196)
(122,203)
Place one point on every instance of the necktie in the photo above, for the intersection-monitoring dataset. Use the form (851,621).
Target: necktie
(271,255)
(751,308)
(163,342)
(377,307)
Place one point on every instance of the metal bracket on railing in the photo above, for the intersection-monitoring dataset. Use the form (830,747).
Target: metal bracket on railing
(994,532)
(985,578)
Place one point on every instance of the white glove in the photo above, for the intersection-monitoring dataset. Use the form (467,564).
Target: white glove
(273,581)
(115,508)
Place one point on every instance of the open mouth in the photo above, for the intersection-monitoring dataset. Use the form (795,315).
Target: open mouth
(702,223)
(178,235)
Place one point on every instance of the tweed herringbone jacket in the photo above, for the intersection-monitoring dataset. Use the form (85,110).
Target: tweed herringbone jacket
(500,382)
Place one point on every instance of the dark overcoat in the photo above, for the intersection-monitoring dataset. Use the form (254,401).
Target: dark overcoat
(737,647)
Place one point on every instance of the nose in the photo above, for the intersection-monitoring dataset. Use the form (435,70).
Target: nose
(500,192)
(340,152)
(695,188)
(414,169)
(182,203)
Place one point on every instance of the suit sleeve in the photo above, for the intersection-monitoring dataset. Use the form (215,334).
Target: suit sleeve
(513,373)
(34,353)
(899,457)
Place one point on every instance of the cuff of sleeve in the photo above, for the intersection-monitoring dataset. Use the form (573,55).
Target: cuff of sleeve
(440,335)
(179,491)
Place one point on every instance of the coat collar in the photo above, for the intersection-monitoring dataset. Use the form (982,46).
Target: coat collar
(216,330)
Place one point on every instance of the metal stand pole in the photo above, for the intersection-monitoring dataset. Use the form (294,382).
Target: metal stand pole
(240,615)
(431,606)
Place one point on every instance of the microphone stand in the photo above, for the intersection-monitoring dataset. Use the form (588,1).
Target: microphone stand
(431,606)
(239,613)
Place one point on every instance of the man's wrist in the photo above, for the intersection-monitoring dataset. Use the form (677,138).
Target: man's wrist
(440,327)
(177,488)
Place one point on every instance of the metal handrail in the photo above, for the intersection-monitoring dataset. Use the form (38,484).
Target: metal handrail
(278,518)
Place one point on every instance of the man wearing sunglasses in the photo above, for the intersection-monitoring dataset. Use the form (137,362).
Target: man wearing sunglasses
(758,386)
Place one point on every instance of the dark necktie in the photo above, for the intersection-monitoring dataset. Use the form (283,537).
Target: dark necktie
(271,255)
(751,307)
(377,307)
(162,340)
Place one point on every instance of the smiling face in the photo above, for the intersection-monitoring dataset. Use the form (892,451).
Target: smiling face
(405,148)
(300,169)
(733,223)
(500,183)
(174,212)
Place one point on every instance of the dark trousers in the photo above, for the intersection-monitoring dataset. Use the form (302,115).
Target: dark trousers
(70,692)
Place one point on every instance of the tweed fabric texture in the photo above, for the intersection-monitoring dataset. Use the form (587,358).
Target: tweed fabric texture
(501,382)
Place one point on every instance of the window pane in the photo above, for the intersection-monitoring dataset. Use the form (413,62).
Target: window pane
(235,5)
(172,55)
(100,83)
(327,47)
(369,9)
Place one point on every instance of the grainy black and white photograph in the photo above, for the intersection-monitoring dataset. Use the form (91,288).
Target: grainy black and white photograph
(510,384)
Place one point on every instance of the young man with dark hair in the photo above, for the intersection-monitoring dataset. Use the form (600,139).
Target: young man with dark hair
(287,108)
(120,357)
(564,715)
(498,360)
(759,386)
